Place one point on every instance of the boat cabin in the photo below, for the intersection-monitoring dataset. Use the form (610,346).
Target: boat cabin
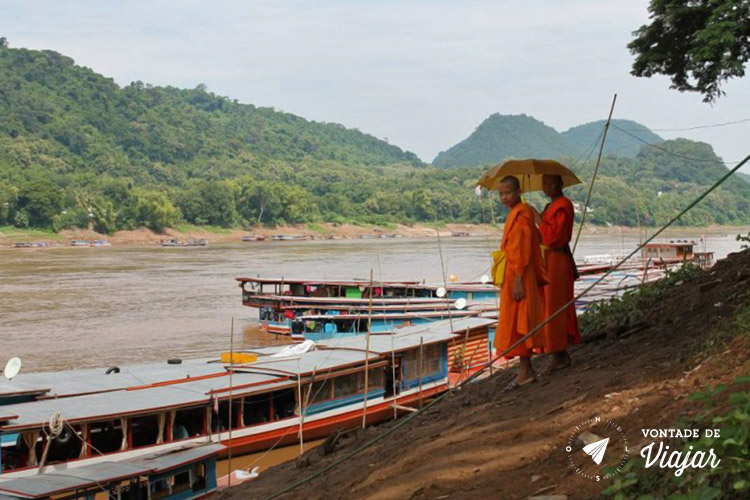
(263,402)
(675,250)
(183,474)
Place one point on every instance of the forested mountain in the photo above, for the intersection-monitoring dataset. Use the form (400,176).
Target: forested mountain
(584,137)
(744,177)
(520,136)
(76,150)
(505,136)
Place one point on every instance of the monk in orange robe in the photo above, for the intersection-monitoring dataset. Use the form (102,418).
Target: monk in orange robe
(521,307)
(556,226)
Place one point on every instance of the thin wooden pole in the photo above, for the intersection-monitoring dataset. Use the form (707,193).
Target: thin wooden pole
(421,350)
(301,410)
(231,374)
(367,354)
(596,170)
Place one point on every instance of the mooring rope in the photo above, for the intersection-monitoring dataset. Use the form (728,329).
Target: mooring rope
(408,418)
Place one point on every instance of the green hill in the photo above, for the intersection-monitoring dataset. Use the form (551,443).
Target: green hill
(77,150)
(503,136)
(84,120)
(744,177)
(584,137)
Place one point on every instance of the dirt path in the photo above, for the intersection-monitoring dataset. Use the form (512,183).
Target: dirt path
(479,443)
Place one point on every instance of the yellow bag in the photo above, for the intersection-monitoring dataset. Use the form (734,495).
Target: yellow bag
(499,262)
(498,267)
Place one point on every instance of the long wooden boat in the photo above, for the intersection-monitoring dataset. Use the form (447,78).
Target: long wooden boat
(326,326)
(280,301)
(274,397)
(183,474)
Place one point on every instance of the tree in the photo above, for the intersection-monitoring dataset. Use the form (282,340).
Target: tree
(41,200)
(698,43)
(154,210)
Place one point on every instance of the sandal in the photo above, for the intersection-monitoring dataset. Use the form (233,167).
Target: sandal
(513,385)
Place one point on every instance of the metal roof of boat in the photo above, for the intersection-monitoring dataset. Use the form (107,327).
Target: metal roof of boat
(395,315)
(104,406)
(309,362)
(87,381)
(409,337)
(351,282)
(88,476)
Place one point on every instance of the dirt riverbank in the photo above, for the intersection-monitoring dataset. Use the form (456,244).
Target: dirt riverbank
(144,236)
(481,443)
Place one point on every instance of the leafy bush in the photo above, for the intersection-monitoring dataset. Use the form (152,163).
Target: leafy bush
(729,480)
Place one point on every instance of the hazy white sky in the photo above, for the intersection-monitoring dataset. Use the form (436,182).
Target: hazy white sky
(422,74)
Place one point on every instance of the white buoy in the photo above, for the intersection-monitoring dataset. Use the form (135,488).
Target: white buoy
(460,303)
(484,279)
(12,367)
(440,292)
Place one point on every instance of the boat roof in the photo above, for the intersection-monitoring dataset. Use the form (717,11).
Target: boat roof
(318,282)
(92,380)
(411,337)
(346,301)
(270,372)
(89,476)
(379,316)
(103,406)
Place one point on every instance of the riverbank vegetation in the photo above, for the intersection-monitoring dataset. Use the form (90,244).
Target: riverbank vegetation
(77,151)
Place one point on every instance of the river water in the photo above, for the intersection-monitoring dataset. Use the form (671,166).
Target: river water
(65,307)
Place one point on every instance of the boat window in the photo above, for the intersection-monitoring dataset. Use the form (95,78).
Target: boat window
(221,421)
(106,437)
(199,477)
(159,489)
(256,409)
(145,430)
(181,482)
(375,379)
(284,403)
(431,359)
(66,446)
(321,391)
(188,423)
(345,385)
(134,490)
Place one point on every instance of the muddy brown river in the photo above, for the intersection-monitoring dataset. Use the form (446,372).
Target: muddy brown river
(68,307)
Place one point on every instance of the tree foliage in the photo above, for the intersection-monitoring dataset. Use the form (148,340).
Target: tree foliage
(77,150)
(699,44)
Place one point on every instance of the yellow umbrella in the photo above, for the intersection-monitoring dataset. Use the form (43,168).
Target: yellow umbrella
(529,173)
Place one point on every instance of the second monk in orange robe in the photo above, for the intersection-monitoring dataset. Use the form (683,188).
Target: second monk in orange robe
(521,306)
(556,226)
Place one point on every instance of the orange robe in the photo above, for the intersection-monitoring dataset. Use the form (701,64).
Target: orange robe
(557,230)
(521,245)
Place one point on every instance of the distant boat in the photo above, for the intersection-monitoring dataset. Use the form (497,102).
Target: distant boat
(80,243)
(200,242)
(289,237)
(33,244)
(100,243)
(172,242)
(460,234)
(253,237)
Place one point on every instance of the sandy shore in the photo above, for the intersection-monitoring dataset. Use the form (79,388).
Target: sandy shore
(145,236)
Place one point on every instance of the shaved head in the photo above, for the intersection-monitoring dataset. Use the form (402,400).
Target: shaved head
(512,181)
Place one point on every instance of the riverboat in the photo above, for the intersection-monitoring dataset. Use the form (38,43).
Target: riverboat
(280,301)
(268,397)
(183,474)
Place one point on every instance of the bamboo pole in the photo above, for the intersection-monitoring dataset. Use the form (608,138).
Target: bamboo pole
(367,354)
(231,374)
(596,170)
(301,410)
(421,350)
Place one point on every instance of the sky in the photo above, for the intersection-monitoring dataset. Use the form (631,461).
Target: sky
(421,74)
